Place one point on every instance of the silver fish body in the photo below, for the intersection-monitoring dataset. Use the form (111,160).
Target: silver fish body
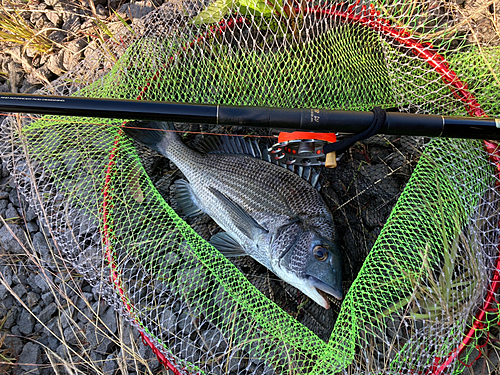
(266,211)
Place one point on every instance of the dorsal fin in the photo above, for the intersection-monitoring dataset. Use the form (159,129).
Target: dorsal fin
(240,145)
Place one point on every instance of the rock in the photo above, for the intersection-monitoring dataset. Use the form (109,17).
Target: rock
(5,171)
(5,87)
(15,331)
(8,302)
(32,227)
(14,196)
(40,280)
(32,299)
(53,342)
(19,56)
(55,63)
(7,276)
(40,244)
(20,276)
(110,365)
(168,320)
(74,335)
(47,313)
(73,23)
(47,298)
(11,318)
(109,319)
(35,16)
(40,76)
(70,59)
(30,214)
(97,339)
(57,36)
(26,322)
(102,13)
(3,292)
(114,4)
(19,290)
(11,213)
(29,358)
(13,343)
(43,23)
(28,88)
(134,11)
(214,341)
(36,310)
(55,18)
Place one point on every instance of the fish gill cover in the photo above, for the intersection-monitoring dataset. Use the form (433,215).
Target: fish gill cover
(409,306)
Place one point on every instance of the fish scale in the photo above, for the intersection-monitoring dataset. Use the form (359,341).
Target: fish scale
(267,212)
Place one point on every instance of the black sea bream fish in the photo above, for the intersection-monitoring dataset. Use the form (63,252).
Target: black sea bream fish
(266,211)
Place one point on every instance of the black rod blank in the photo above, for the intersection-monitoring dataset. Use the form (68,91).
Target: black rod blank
(397,123)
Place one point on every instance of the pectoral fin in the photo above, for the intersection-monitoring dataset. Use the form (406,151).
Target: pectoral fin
(241,219)
(227,245)
(186,199)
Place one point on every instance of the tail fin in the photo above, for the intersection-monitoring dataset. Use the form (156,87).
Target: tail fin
(151,134)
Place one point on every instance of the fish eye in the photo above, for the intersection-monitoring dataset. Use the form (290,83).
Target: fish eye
(320,253)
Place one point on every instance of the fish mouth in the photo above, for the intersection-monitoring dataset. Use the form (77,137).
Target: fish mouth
(324,289)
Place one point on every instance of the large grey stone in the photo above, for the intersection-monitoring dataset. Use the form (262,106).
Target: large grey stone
(72,23)
(11,213)
(29,358)
(110,365)
(30,214)
(6,272)
(32,227)
(48,298)
(40,280)
(109,319)
(9,243)
(134,11)
(11,318)
(3,292)
(32,299)
(40,244)
(55,18)
(55,63)
(13,343)
(26,322)
(14,196)
(48,312)
(74,335)
(97,339)
(19,290)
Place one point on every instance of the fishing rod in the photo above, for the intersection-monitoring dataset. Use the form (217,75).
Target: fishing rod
(310,120)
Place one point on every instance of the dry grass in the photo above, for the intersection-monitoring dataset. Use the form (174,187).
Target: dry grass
(76,358)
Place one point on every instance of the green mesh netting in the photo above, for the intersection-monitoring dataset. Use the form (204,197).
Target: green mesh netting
(425,277)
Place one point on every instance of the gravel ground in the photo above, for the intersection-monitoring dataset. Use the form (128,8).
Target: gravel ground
(50,318)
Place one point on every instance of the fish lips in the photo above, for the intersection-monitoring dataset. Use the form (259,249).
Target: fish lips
(323,287)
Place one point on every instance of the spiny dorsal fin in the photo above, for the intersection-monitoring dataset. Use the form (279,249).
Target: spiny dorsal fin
(233,145)
(240,145)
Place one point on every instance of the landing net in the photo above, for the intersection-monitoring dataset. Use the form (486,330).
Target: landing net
(423,300)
